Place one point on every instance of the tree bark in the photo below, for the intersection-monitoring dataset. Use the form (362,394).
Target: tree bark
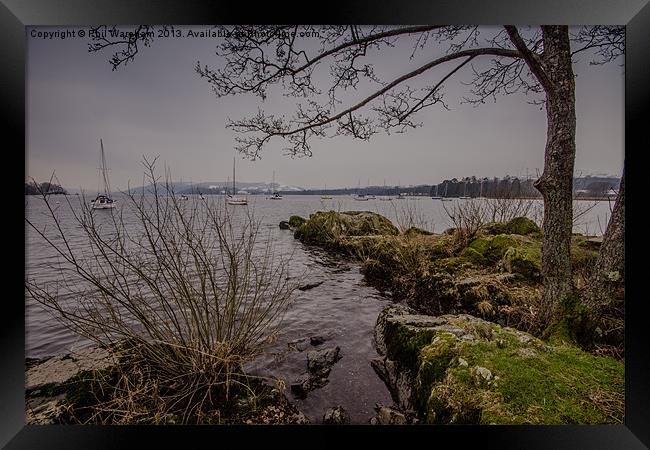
(556,182)
(609,272)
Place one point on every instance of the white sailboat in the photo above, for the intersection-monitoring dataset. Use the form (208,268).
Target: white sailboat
(325,196)
(275,195)
(232,199)
(103,200)
(360,197)
(370,196)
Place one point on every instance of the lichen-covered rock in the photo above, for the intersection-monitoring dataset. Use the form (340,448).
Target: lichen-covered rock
(328,228)
(336,416)
(494,228)
(492,248)
(296,221)
(54,384)
(521,262)
(60,369)
(388,416)
(462,369)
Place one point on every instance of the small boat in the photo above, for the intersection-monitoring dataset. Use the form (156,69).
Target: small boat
(360,197)
(231,199)
(371,197)
(103,201)
(183,197)
(275,195)
(325,196)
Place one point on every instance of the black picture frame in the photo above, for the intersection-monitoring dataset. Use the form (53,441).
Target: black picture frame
(15,15)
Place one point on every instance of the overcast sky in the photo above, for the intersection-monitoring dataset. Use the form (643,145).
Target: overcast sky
(158,105)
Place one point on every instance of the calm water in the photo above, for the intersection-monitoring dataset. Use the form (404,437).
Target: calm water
(343,309)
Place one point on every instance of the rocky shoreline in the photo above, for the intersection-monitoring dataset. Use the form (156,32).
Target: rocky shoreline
(460,345)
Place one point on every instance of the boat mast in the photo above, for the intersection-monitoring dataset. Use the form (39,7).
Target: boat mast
(233,176)
(107,188)
(273,185)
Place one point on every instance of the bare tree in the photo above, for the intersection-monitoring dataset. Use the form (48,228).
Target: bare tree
(535,61)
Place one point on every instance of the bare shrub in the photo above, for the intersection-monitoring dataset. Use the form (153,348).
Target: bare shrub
(184,293)
(408,214)
(466,219)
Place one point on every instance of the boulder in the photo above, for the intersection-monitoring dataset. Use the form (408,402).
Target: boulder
(53,384)
(492,248)
(521,262)
(336,416)
(522,226)
(462,369)
(309,286)
(320,362)
(58,370)
(319,365)
(296,221)
(328,228)
(388,416)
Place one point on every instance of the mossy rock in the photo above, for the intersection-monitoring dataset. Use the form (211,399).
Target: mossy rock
(296,221)
(471,254)
(493,228)
(523,262)
(442,247)
(492,248)
(522,226)
(462,369)
(328,228)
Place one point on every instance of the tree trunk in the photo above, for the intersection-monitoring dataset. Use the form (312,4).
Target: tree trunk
(609,272)
(556,182)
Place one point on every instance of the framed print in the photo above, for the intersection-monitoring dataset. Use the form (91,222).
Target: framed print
(404,222)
